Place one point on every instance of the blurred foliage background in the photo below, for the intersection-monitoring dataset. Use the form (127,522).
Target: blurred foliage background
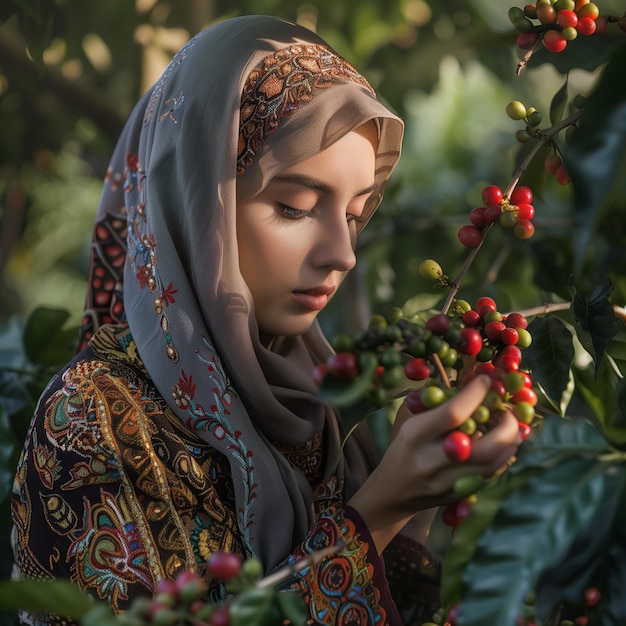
(446,67)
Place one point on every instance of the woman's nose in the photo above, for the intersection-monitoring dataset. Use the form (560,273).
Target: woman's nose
(336,243)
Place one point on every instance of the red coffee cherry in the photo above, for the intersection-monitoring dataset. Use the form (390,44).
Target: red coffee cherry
(344,365)
(546,14)
(586,26)
(492,196)
(477,217)
(470,236)
(224,565)
(417,369)
(471,341)
(524,229)
(515,320)
(566,18)
(554,41)
(457,446)
(522,195)
(525,212)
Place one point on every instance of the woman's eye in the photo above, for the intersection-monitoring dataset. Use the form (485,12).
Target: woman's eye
(291,213)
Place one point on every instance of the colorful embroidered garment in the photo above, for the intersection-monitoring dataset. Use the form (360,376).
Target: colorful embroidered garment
(150,452)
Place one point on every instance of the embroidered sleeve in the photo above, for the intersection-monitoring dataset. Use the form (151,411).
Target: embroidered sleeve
(349,587)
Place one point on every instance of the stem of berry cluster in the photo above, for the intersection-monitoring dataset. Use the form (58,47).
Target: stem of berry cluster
(293,568)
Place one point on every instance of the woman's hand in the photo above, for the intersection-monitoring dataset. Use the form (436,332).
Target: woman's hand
(415,473)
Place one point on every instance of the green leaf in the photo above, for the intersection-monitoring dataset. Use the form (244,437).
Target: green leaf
(255,607)
(534,526)
(596,155)
(550,357)
(45,341)
(557,106)
(467,534)
(50,596)
(585,562)
(596,321)
(293,606)
(605,394)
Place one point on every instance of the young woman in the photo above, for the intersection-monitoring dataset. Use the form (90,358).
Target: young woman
(189,422)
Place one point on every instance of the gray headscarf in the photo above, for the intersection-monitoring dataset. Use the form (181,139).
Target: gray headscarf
(242,100)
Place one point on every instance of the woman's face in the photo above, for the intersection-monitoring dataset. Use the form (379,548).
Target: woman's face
(297,237)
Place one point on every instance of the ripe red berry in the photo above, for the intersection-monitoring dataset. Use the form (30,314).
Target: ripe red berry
(566,18)
(492,214)
(524,229)
(471,318)
(586,26)
(522,195)
(492,196)
(223,565)
(220,617)
(417,369)
(448,515)
(414,401)
(516,320)
(562,175)
(486,301)
(471,341)
(458,446)
(509,336)
(553,40)
(525,41)
(592,596)
(525,395)
(477,217)
(319,373)
(525,212)
(552,163)
(588,9)
(470,236)
(493,330)
(344,365)
(524,430)
(438,323)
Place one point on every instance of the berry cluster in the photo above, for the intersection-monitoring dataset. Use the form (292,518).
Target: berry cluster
(515,213)
(556,22)
(440,354)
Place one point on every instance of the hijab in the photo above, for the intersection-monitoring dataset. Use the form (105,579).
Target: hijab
(242,100)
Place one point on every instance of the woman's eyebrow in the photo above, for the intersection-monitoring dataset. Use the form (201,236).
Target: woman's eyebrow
(314,183)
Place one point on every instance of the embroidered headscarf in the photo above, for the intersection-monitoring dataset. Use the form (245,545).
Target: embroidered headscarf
(242,100)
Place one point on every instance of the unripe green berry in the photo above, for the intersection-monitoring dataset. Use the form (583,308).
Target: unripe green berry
(516,110)
(569,33)
(525,338)
(522,136)
(430,269)
(468,426)
(580,100)
(508,219)
(467,485)
(525,412)
(432,396)
(394,314)
(481,415)
(378,322)
(534,119)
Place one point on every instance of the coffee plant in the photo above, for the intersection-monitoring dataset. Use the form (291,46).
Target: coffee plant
(544,543)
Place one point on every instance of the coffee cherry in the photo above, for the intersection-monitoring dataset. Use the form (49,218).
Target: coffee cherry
(470,236)
(570,33)
(524,338)
(471,318)
(589,10)
(343,365)
(438,324)
(492,195)
(492,214)
(508,219)
(220,617)
(525,395)
(509,336)
(224,565)
(468,485)
(524,430)
(562,175)
(513,382)
(554,41)
(516,110)
(526,41)
(552,163)
(592,596)
(457,446)
(524,229)
(546,14)
(530,10)
(524,411)
(487,302)
(471,341)
(522,195)
(525,211)
(414,401)
(493,331)
(586,25)
(430,269)
(417,369)
(432,396)
(566,18)
(477,217)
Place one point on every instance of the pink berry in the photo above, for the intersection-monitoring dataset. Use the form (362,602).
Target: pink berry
(224,565)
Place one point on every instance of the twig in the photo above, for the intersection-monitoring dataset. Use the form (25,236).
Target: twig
(293,568)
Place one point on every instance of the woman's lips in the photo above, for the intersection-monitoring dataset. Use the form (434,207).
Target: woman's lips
(313,299)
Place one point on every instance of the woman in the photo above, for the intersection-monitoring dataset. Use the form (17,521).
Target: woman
(189,422)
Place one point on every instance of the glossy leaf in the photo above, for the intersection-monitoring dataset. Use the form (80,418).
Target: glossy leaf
(557,106)
(550,357)
(596,156)
(293,606)
(52,596)
(596,322)
(583,564)
(534,527)
(255,607)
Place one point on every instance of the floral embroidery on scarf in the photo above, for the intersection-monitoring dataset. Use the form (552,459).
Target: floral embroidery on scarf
(279,85)
(173,103)
(215,420)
